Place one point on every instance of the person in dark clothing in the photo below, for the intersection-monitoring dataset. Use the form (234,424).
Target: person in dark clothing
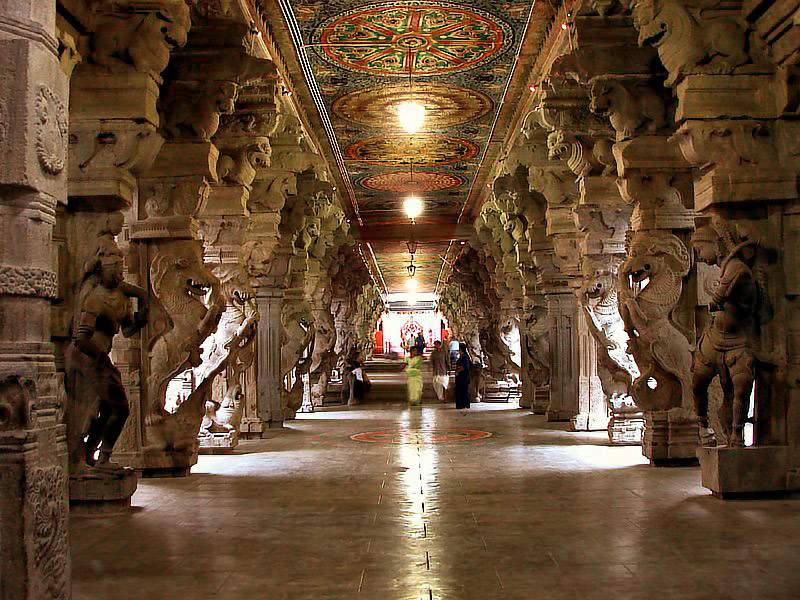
(419,343)
(463,367)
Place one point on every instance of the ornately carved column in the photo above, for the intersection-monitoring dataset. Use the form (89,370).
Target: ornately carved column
(34,552)
(736,111)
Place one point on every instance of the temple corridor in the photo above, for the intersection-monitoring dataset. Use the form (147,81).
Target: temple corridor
(533,511)
(223,222)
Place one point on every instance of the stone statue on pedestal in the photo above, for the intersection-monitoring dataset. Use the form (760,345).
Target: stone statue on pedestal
(725,348)
(99,403)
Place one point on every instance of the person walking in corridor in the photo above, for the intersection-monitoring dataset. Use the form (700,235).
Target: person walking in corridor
(463,367)
(414,376)
(440,363)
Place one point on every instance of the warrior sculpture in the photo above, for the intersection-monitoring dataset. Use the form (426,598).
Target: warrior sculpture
(725,348)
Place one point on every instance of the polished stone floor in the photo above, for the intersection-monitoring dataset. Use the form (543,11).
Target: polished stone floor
(533,511)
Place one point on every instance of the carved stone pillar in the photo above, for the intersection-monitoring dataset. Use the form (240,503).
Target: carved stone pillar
(34,553)
(562,309)
(113,140)
(656,303)
(269,301)
(739,131)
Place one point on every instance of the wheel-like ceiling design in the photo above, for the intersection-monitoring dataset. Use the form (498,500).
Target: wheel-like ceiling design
(456,59)
(418,38)
(407,182)
(425,150)
(447,106)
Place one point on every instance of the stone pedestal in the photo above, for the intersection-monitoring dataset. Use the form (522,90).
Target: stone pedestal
(731,472)
(541,400)
(670,437)
(219,443)
(97,495)
(626,426)
(168,463)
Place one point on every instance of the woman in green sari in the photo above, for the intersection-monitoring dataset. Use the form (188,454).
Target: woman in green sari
(414,377)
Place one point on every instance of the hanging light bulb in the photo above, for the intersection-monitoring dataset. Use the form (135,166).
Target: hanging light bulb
(411,115)
(413,207)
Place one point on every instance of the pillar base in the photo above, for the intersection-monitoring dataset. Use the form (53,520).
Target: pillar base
(559,416)
(588,422)
(541,400)
(670,437)
(625,428)
(166,463)
(91,494)
(219,443)
(736,472)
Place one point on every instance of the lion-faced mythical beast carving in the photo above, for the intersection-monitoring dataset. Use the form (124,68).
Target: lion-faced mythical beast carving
(692,37)
(616,368)
(632,108)
(651,283)
(139,35)
(191,306)
(192,110)
(536,345)
(497,354)
(323,357)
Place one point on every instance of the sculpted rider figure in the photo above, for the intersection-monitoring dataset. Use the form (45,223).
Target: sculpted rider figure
(105,308)
(724,347)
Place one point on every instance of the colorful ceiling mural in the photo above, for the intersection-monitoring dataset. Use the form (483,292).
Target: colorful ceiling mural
(455,58)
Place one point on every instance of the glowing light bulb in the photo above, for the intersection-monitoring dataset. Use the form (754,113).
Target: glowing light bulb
(411,285)
(413,207)
(411,116)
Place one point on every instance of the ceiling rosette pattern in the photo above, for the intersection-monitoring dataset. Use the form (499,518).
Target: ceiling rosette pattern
(455,58)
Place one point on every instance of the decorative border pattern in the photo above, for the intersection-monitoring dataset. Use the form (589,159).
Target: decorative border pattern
(423,436)
(28,281)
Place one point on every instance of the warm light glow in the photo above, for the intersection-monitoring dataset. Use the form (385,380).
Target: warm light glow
(413,207)
(411,115)
(411,285)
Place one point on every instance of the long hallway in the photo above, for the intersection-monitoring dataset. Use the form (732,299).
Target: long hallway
(428,505)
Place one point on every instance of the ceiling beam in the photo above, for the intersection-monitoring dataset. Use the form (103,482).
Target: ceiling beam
(437,232)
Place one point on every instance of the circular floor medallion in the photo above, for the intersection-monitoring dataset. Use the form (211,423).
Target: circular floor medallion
(446,105)
(422,38)
(404,182)
(425,150)
(423,436)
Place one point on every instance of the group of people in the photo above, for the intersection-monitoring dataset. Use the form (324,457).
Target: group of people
(441,364)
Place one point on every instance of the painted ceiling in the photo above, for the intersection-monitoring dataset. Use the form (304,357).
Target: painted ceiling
(456,58)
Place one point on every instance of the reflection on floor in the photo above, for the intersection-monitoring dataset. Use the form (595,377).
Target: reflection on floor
(531,512)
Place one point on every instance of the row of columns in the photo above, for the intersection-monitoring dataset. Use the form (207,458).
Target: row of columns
(153,160)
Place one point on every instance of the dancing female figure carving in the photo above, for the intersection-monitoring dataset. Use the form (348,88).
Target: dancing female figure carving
(99,403)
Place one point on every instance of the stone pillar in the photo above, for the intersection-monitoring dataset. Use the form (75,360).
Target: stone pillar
(564,356)
(739,131)
(269,301)
(34,553)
